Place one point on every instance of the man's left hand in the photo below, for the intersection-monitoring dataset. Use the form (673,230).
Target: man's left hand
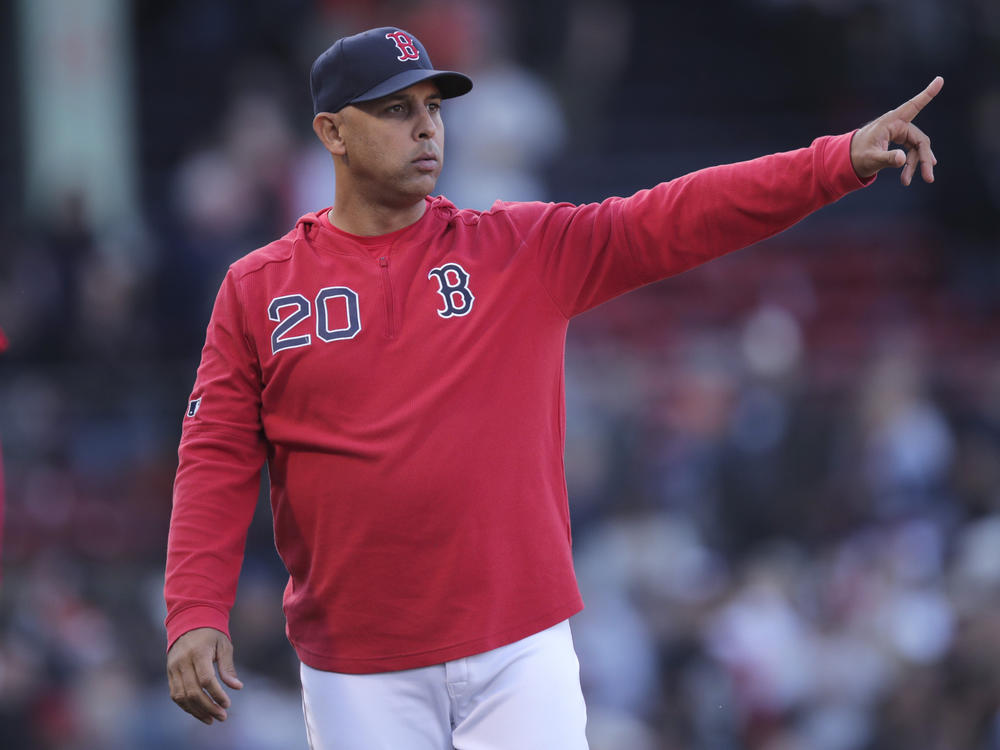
(870,146)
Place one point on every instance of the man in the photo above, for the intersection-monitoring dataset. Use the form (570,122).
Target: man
(398,364)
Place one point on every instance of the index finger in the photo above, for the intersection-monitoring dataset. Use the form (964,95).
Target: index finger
(205,675)
(911,109)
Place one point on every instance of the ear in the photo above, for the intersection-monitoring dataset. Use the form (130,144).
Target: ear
(326,125)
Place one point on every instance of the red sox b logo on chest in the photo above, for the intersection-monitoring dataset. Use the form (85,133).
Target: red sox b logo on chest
(453,286)
(407,50)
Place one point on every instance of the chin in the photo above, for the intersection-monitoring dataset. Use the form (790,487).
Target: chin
(412,194)
(425,185)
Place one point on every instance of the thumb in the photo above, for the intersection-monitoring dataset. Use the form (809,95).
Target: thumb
(879,159)
(870,151)
(227,669)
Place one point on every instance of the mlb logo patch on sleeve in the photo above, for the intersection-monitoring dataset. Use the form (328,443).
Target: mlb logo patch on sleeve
(193,407)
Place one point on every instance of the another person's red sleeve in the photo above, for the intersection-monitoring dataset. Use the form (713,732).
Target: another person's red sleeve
(3,347)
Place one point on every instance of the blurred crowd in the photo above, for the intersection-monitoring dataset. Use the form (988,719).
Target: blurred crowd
(784,467)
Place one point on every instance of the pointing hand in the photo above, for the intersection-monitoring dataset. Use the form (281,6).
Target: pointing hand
(870,150)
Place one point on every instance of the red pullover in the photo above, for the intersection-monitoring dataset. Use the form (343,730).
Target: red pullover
(406,392)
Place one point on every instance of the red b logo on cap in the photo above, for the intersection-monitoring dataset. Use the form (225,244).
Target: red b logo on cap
(407,51)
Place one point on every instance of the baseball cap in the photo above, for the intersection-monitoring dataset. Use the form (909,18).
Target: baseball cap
(375,63)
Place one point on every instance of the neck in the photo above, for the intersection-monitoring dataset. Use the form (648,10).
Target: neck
(368,220)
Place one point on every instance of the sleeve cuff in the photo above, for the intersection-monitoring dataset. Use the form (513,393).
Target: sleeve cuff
(837,163)
(195,616)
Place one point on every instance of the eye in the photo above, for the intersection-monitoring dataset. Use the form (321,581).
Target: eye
(395,109)
(434,107)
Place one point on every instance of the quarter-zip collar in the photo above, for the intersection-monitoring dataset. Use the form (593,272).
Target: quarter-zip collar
(318,231)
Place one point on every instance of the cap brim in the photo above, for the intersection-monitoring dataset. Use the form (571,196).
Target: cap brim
(449,82)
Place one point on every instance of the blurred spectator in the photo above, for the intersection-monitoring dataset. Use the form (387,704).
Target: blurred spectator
(503,134)
(907,444)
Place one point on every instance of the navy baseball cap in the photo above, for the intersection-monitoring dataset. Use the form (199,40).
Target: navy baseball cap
(376,63)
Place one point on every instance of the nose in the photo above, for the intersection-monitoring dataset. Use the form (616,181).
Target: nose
(426,128)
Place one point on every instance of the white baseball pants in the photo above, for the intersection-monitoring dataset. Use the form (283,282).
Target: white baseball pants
(523,696)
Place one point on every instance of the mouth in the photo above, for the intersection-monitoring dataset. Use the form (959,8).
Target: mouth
(426,162)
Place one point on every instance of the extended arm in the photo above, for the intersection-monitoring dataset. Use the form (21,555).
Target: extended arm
(588,254)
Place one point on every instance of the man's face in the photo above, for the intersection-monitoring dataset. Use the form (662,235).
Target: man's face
(394,146)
